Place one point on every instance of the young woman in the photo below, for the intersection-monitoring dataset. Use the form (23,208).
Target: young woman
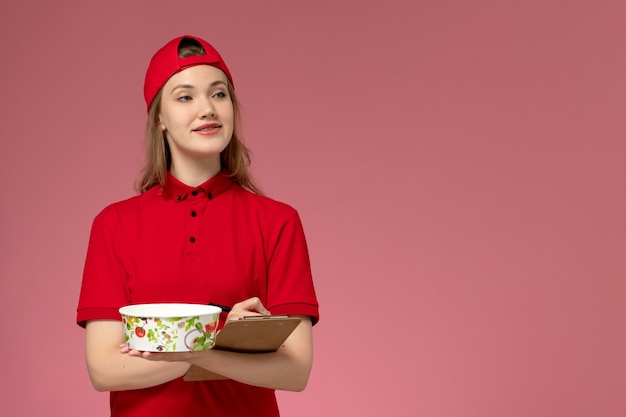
(199,232)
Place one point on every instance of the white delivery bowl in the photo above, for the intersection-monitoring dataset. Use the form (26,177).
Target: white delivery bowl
(170,327)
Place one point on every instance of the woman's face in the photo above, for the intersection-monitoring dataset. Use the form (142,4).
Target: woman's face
(197,114)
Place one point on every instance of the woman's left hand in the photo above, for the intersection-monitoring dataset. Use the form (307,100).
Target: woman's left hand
(160,356)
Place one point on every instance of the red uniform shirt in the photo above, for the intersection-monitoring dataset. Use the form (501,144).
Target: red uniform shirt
(214,243)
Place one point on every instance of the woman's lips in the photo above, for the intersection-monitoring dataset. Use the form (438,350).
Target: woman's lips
(208,129)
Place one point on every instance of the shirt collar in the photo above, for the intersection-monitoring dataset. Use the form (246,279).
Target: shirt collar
(174,189)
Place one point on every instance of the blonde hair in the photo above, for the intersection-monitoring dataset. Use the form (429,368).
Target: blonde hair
(235,159)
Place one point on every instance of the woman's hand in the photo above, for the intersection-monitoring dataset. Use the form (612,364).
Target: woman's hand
(250,307)
(160,356)
(156,356)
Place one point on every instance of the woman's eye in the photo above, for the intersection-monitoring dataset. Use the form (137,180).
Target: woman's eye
(184,98)
(219,95)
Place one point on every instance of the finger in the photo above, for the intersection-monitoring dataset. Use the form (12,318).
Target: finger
(253,304)
(161,356)
(143,354)
(135,353)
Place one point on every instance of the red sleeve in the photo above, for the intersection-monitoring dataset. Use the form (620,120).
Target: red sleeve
(290,284)
(104,287)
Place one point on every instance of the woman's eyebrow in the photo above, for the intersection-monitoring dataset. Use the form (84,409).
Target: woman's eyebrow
(183,86)
(191,87)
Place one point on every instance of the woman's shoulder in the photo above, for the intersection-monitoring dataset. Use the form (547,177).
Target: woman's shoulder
(127,206)
(263,204)
(274,217)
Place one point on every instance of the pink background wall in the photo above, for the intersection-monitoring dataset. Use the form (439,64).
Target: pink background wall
(458,165)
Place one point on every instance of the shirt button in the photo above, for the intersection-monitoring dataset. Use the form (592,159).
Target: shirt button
(192,239)
(194,193)
(179,198)
(193,214)
(210,196)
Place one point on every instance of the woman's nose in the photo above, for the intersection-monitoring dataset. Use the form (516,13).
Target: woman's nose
(207,109)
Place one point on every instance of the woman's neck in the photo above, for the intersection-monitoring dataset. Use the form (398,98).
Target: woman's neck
(194,174)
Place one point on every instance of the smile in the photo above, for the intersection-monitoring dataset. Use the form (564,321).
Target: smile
(209,128)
